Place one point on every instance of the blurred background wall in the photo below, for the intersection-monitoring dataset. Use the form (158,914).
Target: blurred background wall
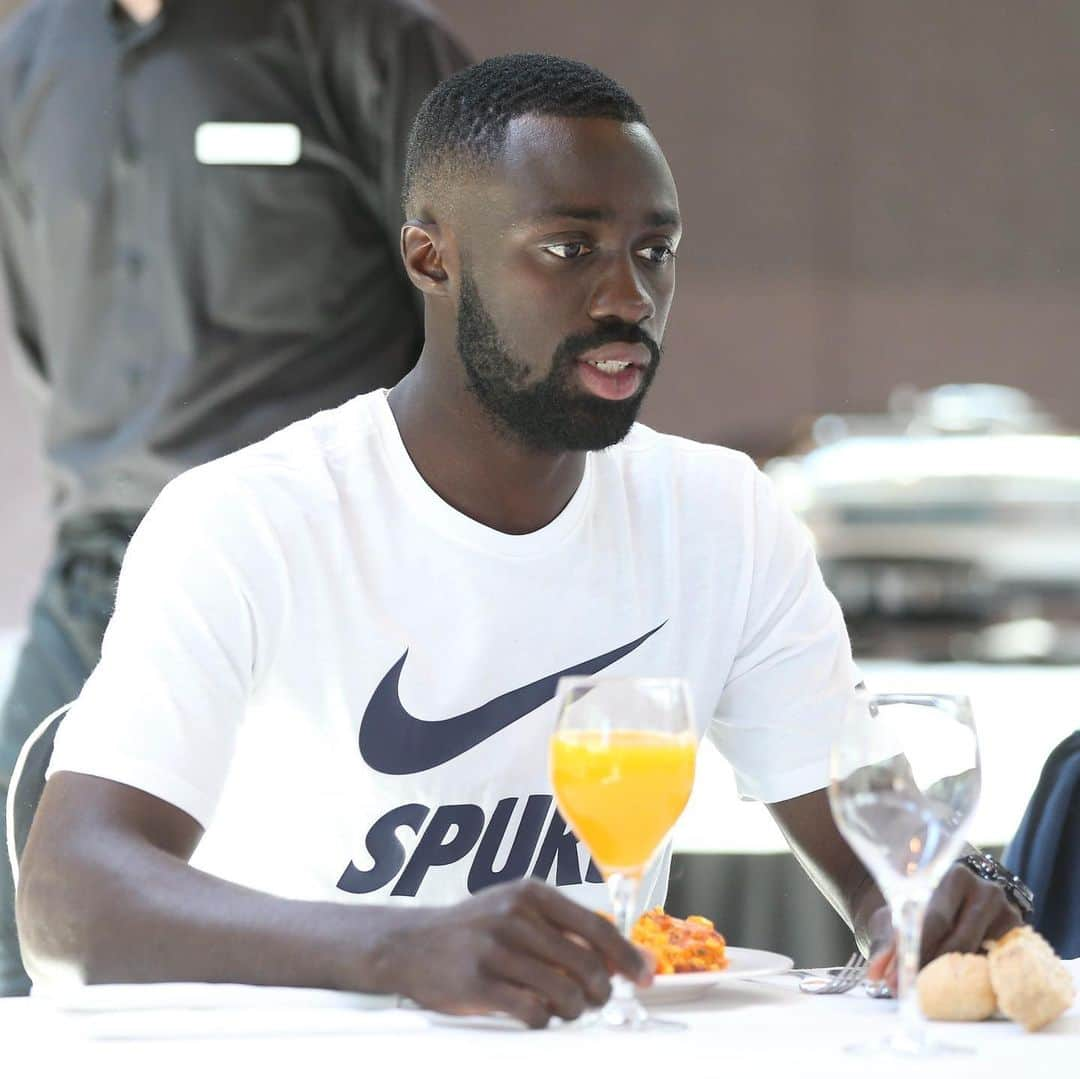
(875,194)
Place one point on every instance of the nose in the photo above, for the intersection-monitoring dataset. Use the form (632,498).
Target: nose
(620,295)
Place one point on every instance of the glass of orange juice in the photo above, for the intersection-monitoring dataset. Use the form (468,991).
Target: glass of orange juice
(622,766)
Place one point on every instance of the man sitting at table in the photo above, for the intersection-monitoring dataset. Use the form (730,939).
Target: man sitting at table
(360,621)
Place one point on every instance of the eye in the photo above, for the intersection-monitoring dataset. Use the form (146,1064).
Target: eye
(658,254)
(572,249)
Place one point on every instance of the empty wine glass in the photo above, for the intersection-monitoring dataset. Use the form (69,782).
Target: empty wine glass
(904,784)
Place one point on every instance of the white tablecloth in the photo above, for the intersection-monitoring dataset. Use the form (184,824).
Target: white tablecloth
(747,1029)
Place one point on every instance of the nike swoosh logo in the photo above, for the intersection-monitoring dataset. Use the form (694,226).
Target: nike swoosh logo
(398,744)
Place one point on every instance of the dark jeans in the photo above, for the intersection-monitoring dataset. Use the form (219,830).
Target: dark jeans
(66,626)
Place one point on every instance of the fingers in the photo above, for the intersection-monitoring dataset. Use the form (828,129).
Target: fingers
(557,993)
(521,1004)
(970,925)
(964,913)
(882,944)
(569,917)
(533,953)
(880,961)
(892,971)
(942,911)
(1008,919)
(582,963)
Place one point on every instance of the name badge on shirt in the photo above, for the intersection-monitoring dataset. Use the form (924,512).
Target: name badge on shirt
(247,144)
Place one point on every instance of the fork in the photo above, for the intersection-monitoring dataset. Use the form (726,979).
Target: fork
(846,977)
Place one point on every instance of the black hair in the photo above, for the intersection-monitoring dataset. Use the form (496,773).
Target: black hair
(465,118)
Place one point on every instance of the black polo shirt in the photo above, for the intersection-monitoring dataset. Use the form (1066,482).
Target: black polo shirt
(167,309)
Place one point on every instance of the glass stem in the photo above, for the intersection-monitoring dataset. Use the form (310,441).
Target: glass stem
(623,891)
(908,924)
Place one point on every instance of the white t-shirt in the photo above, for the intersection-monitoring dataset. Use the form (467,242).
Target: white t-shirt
(350,684)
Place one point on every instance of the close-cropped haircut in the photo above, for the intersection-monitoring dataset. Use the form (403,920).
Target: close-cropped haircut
(464,120)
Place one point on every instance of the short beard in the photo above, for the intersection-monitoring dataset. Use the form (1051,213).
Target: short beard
(550,416)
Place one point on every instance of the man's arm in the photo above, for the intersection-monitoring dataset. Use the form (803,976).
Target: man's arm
(106,895)
(964,912)
(832,865)
(792,676)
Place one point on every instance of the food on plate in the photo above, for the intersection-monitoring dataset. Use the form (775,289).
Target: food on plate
(680,945)
(957,988)
(1032,985)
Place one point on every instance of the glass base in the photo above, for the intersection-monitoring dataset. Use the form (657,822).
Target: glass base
(624,1011)
(900,1045)
(620,1015)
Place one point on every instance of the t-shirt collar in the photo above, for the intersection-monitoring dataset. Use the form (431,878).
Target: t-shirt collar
(412,486)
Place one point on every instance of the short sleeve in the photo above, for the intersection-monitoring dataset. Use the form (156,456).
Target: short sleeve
(793,674)
(182,652)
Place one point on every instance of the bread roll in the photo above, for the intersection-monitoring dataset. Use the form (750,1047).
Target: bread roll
(956,987)
(1032,985)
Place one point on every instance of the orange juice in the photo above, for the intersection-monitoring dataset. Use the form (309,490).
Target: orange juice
(621,791)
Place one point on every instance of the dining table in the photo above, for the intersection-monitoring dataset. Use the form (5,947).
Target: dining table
(751,1028)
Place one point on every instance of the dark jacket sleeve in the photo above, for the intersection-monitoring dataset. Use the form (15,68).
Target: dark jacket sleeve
(423,54)
(21,336)
(383,58)
(1046,849)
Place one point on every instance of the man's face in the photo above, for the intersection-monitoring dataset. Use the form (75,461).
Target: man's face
(566,280)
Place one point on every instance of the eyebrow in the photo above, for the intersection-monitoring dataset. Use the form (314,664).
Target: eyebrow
(655,218)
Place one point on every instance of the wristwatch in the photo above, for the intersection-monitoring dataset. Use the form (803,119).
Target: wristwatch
(1016,891)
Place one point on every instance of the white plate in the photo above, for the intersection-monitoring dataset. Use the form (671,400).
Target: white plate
(742,963)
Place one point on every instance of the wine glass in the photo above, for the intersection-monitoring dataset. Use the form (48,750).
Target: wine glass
(622,766)
(904,784)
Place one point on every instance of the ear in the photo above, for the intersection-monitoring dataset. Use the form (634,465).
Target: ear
(421,251)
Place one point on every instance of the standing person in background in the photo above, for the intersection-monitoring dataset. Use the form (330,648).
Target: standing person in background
(178,286)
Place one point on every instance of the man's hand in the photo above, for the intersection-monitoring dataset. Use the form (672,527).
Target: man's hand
(520,948)
(965,911)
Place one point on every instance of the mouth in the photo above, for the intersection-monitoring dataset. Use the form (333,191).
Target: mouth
(613,371)
(617,356)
